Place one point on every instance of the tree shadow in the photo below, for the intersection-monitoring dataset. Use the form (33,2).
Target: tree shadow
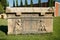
(4,29)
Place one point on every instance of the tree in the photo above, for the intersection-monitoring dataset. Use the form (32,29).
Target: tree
(16,3)
(7,3)
(50,3)
(21,4)
(26,3)
(39,3)
(1,8)
(4,3)
(13,3)
(55,0)
(31,3)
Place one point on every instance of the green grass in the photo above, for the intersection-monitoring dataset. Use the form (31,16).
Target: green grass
(52,36)
(3,22)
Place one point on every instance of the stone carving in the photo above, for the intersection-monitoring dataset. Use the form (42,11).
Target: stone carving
(34,24)
(18,27)
(42,26)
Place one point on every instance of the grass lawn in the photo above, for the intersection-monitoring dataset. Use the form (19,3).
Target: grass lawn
(3,22)
(52,36)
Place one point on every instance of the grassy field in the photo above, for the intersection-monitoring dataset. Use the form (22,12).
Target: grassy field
(52,36)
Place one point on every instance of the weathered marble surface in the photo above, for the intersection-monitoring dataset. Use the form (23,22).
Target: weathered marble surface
(19,23)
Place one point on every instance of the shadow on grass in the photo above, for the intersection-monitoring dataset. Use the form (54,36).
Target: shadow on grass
(4,29)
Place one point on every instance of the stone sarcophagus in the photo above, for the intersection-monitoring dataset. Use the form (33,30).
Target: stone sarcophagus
(29,20)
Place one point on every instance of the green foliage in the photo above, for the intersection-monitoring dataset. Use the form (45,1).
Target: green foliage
(13,3)
(39,3)
(21,3)
(26,3)
(51,3)
(1,8)
(16,3)
(31,3)
(7,3)
(56,0)
(4,3)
